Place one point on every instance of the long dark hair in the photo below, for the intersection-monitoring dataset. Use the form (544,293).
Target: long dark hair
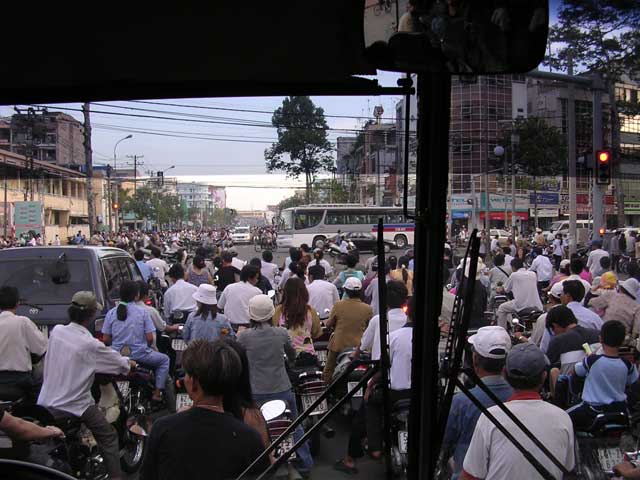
(241,398)
(129,290)
(205,310)
(295,300)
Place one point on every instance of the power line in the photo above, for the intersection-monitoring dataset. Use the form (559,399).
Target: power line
(251,137)
(246,110)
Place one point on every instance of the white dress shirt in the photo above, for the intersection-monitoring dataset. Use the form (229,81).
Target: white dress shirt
(371,337)
(269,271)
(543,268)
(400,351)
(323,296)
(162,267)
(179,296)
(235,302)
(593,262)
(586,318)
(19,338)
(73,359)
(236,262)
(524,286)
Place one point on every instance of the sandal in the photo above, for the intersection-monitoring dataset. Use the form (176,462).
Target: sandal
(341,467)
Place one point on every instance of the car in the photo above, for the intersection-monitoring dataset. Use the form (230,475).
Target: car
(47,278)
(503,236)
(365,241)
(241,235)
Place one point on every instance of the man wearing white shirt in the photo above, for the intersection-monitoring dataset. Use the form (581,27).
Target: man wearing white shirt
(396,318)
(74,357)
(268,269)
(524,286)
(180,295)
(235,298)
(323,295)
(158,266)
(593,262)
(543,268)
(572,294)
(495,244)
(235,261)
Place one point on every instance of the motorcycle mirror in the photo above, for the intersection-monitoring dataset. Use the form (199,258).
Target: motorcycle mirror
(273,409)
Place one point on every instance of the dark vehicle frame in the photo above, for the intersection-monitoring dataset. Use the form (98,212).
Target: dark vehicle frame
(367,242)
(107,268)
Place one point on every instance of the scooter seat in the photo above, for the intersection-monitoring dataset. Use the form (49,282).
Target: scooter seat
(609,422)
(403,404)
(10,392)
(529,312)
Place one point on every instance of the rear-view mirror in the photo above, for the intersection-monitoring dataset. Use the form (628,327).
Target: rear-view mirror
(457,36)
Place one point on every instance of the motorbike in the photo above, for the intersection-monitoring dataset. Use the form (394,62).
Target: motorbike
(78,453)
(598,447)
(308,386)
(342,362)
(333,250)
(528,317)
(278,418)
(399,437)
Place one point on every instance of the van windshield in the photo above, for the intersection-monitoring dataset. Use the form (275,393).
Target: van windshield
(37,285)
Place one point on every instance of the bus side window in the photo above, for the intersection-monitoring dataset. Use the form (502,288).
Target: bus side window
(335,219)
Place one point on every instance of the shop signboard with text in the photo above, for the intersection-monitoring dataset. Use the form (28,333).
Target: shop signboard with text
(28,217)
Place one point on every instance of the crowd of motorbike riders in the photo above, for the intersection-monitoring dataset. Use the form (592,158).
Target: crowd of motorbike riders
(238,318)
(554,338)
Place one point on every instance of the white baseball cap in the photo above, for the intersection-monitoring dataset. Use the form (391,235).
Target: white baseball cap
(557,289)
(353,283)
(491,342)
(206,294)
(631,286)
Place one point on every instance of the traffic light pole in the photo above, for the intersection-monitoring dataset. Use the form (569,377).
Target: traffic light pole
(597,201)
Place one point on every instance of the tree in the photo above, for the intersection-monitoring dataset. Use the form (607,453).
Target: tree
(303,147)
(540,150)
(601,37)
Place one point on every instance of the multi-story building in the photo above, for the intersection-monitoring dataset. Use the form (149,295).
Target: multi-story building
(344,149)
(62,193)
(53,137)
(5,133)
(196,196)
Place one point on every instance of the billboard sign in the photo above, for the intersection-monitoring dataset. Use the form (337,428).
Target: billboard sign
(28,217)
(545,198)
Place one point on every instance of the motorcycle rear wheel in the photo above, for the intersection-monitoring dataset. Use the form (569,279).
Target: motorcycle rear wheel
(132,453)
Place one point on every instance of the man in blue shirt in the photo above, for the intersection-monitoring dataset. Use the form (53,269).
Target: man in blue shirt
(145,269)
(490,348)
(607,377)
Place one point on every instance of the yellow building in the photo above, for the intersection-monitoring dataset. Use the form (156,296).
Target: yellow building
(62,191)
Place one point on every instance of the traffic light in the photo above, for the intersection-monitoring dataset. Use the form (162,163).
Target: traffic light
(603,167)
(116,206)
(601,231)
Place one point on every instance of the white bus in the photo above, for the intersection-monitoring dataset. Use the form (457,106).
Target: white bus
(317,222)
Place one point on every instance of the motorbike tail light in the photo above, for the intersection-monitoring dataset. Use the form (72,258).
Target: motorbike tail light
(362,367)
(148,302)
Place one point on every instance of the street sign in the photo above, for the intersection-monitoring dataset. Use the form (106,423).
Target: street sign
(28,216)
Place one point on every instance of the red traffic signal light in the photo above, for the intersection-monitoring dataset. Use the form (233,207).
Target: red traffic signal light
(603,167)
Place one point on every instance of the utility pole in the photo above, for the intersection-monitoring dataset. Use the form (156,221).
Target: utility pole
(88,157)
(571,151)
(135,170)
(598,190)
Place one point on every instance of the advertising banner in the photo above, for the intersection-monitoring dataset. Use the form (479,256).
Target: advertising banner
(28,217)
(545,198)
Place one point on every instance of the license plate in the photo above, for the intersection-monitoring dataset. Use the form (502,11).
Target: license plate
(609,457)
(178,345)
(285,446)
(44,329)
(403,438)
(351,386)
(124,388)
(183,400)
(322,356)
(307,401)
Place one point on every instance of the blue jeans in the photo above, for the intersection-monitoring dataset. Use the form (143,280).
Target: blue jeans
(160,364)
(304,454)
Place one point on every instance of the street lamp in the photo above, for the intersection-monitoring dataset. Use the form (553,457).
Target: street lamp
(115,160)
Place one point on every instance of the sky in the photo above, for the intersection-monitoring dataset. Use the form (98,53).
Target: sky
(222,153)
